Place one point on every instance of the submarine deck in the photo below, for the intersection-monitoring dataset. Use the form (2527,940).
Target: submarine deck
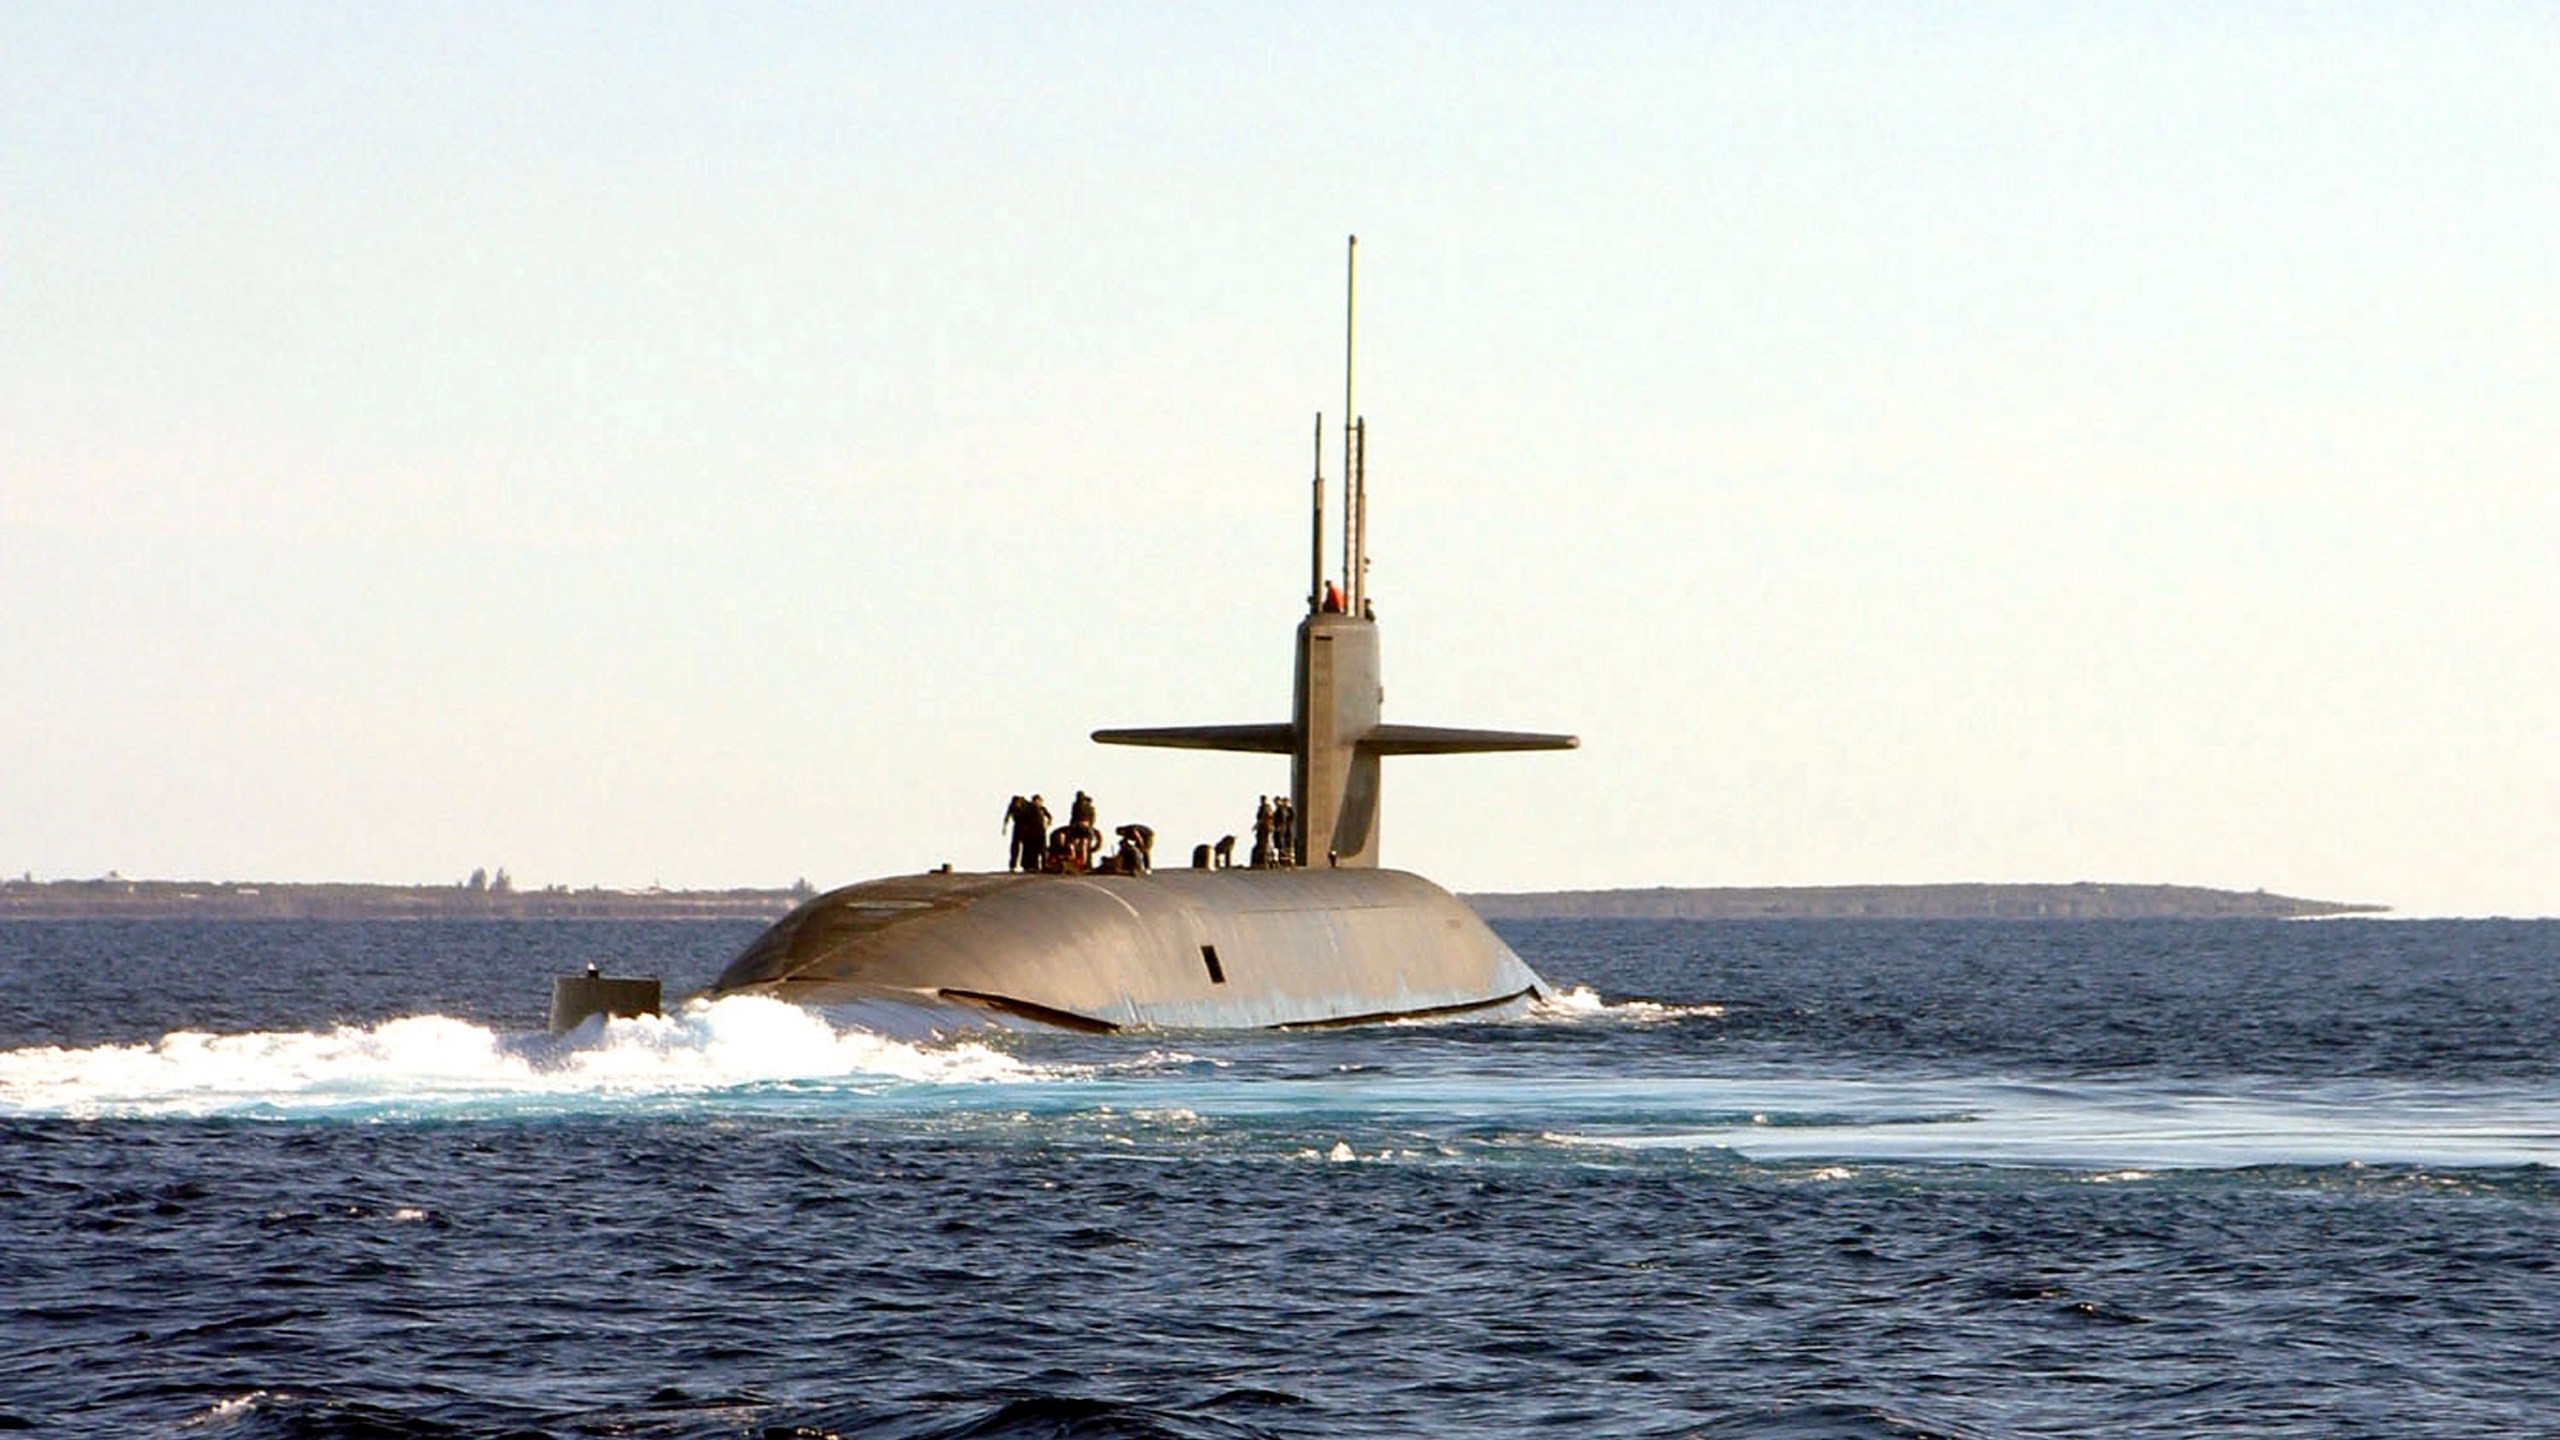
(1219,949)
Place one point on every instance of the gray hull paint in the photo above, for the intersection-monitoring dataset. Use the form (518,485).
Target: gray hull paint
(1291,948)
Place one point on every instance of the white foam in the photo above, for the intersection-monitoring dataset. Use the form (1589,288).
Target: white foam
(228,1409)
(1582,1003)
(426,1062)
(2118,1132)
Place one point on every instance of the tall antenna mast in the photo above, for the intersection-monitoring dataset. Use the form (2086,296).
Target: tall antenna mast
(1315,545)
(1358,484)
(1350,504)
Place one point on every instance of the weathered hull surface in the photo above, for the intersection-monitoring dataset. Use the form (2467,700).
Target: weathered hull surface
(1178,949)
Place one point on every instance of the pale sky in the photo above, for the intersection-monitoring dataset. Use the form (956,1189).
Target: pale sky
(720,445)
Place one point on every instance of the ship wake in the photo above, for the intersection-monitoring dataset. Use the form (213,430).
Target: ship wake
(436,1065)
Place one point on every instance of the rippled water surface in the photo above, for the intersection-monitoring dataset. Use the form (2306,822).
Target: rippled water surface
(1814,1179)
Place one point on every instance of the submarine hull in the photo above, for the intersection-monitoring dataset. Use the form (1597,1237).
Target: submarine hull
(1177,949)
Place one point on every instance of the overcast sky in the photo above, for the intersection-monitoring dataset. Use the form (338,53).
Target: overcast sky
(720,445)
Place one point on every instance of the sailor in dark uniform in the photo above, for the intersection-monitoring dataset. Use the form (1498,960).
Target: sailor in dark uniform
(1136,855)
(1030,821)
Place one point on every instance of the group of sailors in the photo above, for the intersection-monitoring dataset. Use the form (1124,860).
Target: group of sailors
(1076,848)
(1275,834)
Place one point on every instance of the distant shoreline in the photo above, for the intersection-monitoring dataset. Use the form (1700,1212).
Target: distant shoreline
(2086,900)
(115,898)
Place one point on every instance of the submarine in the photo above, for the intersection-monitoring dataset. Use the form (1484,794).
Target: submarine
(1322,936)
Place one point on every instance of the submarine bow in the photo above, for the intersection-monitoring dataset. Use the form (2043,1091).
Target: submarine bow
(1180,949)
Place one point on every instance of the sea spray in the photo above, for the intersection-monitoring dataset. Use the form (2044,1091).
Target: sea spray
(430,1064)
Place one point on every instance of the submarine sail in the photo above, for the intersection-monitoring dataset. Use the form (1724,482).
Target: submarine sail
(1321,936)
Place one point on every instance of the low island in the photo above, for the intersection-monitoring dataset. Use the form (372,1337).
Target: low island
(2087,900)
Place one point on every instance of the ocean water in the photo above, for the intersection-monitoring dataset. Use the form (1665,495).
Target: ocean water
(1813,1179)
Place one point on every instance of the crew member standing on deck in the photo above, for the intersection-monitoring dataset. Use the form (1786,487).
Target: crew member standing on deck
(1284,831)
(1030,821)
(1262,834)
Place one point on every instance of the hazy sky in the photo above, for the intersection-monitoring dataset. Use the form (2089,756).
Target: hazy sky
(719,445)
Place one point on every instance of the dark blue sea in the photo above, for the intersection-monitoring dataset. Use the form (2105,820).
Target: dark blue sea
(1822,1180)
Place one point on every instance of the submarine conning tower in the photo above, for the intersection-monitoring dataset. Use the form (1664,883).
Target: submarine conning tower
(1335,737)
(1331,939)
